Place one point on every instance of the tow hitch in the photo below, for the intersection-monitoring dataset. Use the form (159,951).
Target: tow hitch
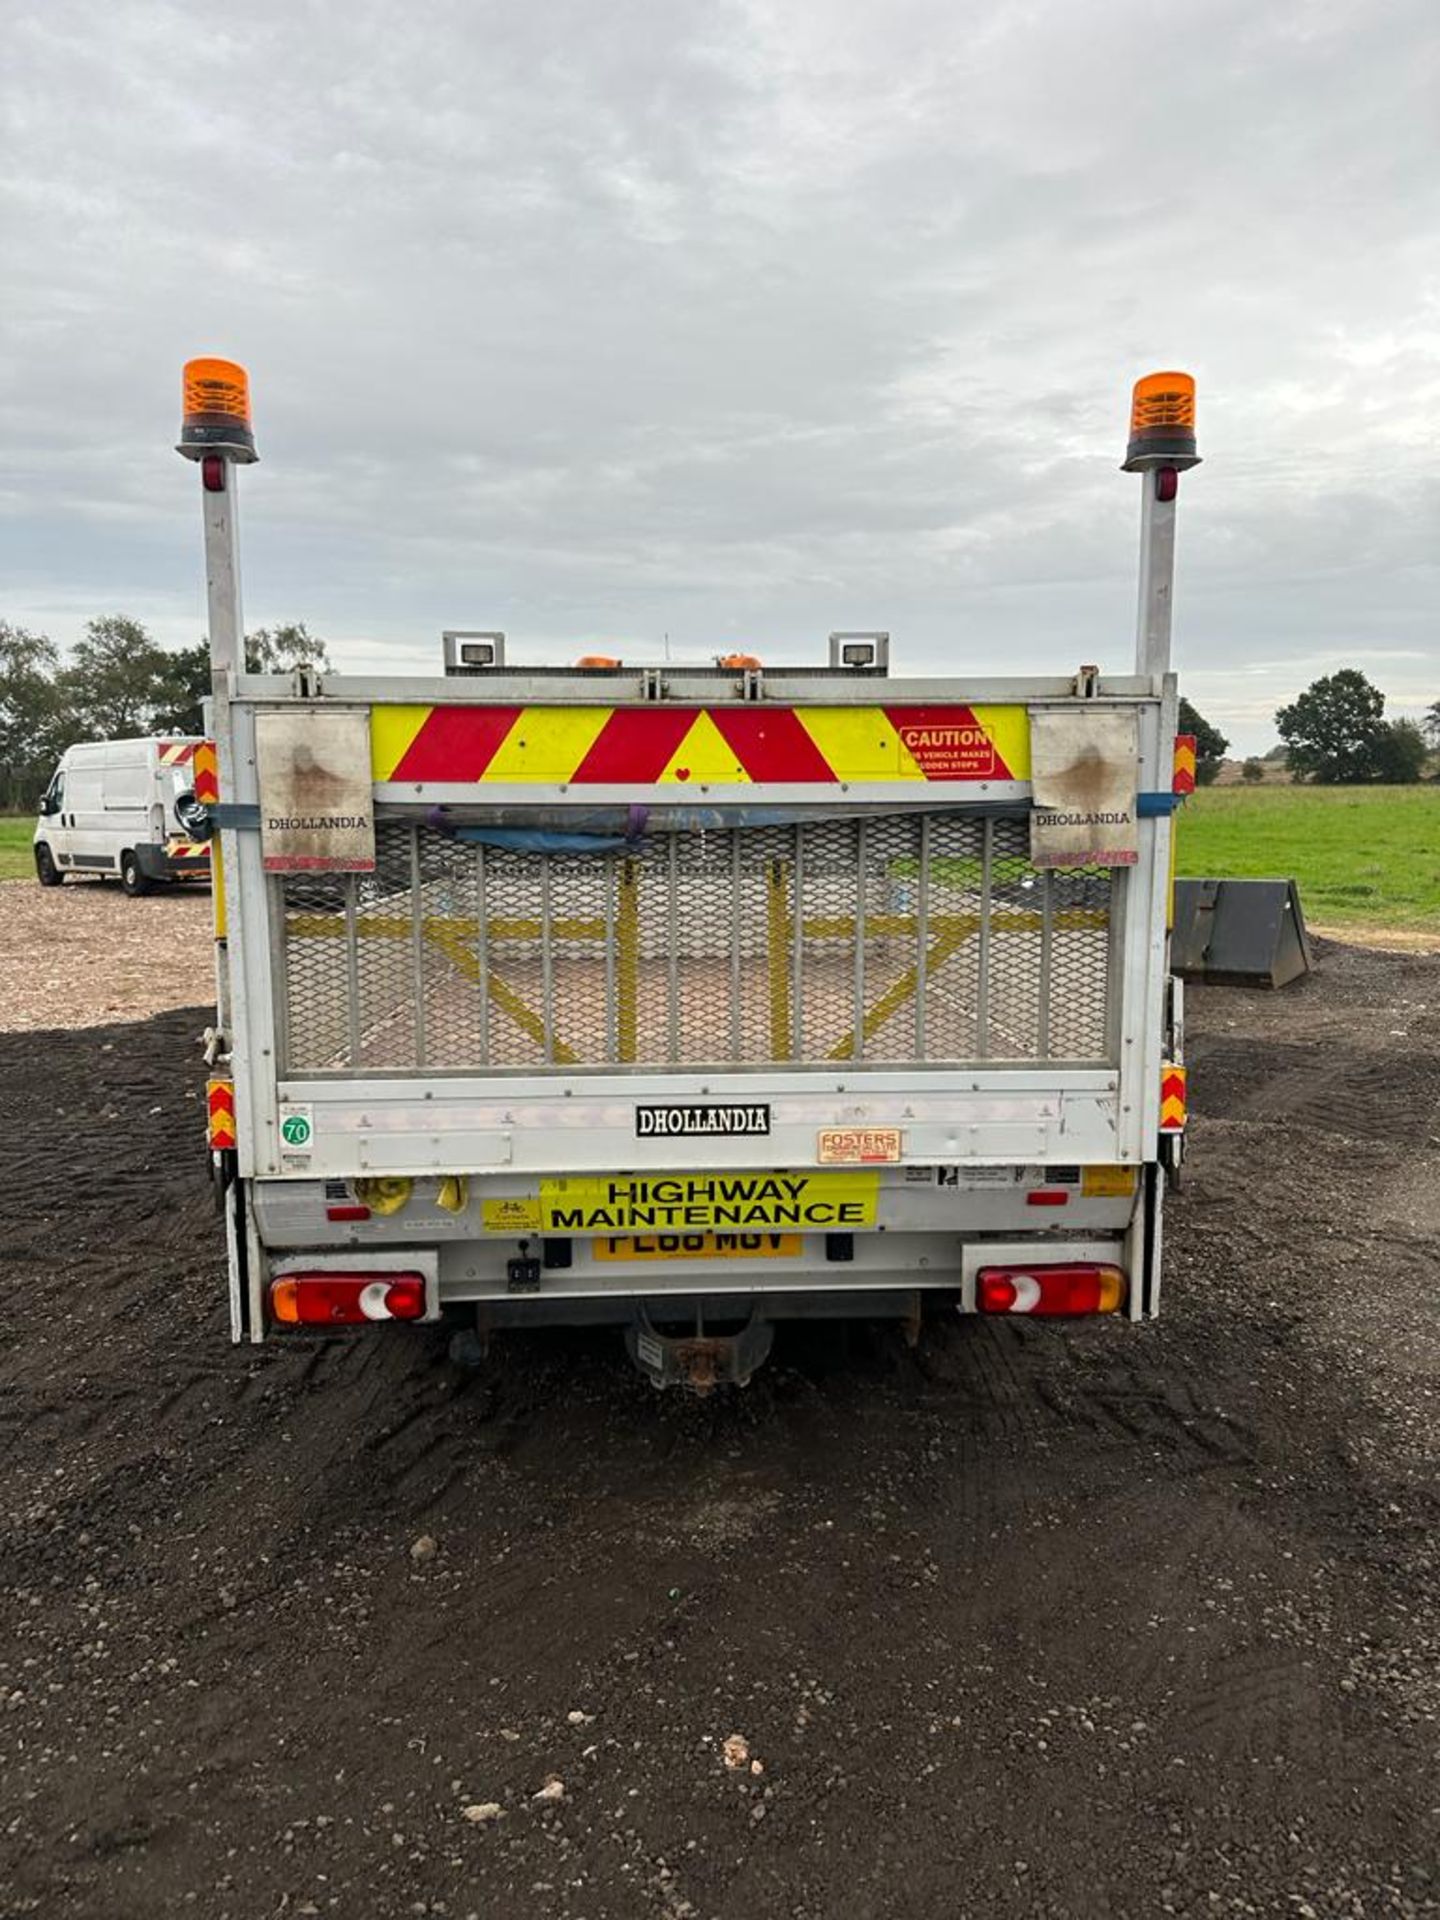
(700,1361)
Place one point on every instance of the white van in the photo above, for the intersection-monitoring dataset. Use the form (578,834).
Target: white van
(126,808)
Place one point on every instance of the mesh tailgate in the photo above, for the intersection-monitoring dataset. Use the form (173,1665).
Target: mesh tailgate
(924,939)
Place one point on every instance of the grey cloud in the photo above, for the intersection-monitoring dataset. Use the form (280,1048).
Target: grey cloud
(736,321)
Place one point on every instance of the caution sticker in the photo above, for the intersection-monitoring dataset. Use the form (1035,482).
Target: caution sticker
(707,1202)
(1106,1183)
(955,752)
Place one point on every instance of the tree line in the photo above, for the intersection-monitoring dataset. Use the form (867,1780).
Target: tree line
(1333,734)
(118,684)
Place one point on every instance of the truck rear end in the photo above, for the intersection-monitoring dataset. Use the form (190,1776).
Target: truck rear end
(692,999)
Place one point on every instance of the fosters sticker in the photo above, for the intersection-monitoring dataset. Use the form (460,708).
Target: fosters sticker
(708,1202)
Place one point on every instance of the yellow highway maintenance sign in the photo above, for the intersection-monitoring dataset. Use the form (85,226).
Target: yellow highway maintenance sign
(708,1202)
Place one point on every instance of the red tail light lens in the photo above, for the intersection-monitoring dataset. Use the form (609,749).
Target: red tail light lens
(1072,1289)
(346,1299)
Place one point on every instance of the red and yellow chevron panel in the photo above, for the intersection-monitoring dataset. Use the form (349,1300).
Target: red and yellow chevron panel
(659,745)
(1173,1106)
(188,849)
(205,770)
(1182,779)
(220,1101)
(176,753)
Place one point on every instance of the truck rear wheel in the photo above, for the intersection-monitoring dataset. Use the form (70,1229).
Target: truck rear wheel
(46,871)
(132,880)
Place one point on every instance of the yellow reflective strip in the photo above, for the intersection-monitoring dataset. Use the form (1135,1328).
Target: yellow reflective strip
(1106,1183)
(859,743)
(703,755)
(217,888)
(392,734)
(547,743)
(1009,728)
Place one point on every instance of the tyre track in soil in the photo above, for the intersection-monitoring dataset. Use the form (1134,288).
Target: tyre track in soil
(1032,1620)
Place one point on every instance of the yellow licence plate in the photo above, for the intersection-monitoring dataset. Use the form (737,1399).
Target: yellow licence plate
(699,1246)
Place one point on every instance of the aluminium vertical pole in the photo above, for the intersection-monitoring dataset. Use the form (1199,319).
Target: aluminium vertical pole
(1162,446)
(215,433)
(222,579)
(1158,498)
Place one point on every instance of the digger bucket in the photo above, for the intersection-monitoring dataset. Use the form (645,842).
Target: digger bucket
(1239,933)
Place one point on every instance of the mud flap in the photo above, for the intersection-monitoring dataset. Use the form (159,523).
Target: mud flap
(1152,1192)
(237,1248)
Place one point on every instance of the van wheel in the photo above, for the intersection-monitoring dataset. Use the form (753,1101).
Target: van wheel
(132,880)
(46,871)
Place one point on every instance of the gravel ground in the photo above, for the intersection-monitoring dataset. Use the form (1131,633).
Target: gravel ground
(82,953)
(1037,1620)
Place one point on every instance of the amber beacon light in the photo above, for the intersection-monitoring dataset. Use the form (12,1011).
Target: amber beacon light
(1162,423)
(216,412)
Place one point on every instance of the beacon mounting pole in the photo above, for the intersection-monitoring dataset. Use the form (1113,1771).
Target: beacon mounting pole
(1162,446)
(216,434)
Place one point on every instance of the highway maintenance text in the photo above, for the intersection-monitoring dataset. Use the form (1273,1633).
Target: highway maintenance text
(708,1201)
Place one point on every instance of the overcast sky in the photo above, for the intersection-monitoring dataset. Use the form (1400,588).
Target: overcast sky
(736,322)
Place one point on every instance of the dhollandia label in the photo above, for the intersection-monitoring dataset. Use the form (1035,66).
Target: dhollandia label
(688,1121)
(709,1202)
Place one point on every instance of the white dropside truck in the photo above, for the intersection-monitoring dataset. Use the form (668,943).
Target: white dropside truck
(126,809)
(692,999)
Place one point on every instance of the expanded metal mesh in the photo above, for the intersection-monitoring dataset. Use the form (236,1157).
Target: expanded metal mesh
(883,941)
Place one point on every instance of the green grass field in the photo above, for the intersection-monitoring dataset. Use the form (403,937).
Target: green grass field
(1361,855)
(16,860)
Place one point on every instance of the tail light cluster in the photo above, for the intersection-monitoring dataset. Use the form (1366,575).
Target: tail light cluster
(346,1299)
(1063,1289)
